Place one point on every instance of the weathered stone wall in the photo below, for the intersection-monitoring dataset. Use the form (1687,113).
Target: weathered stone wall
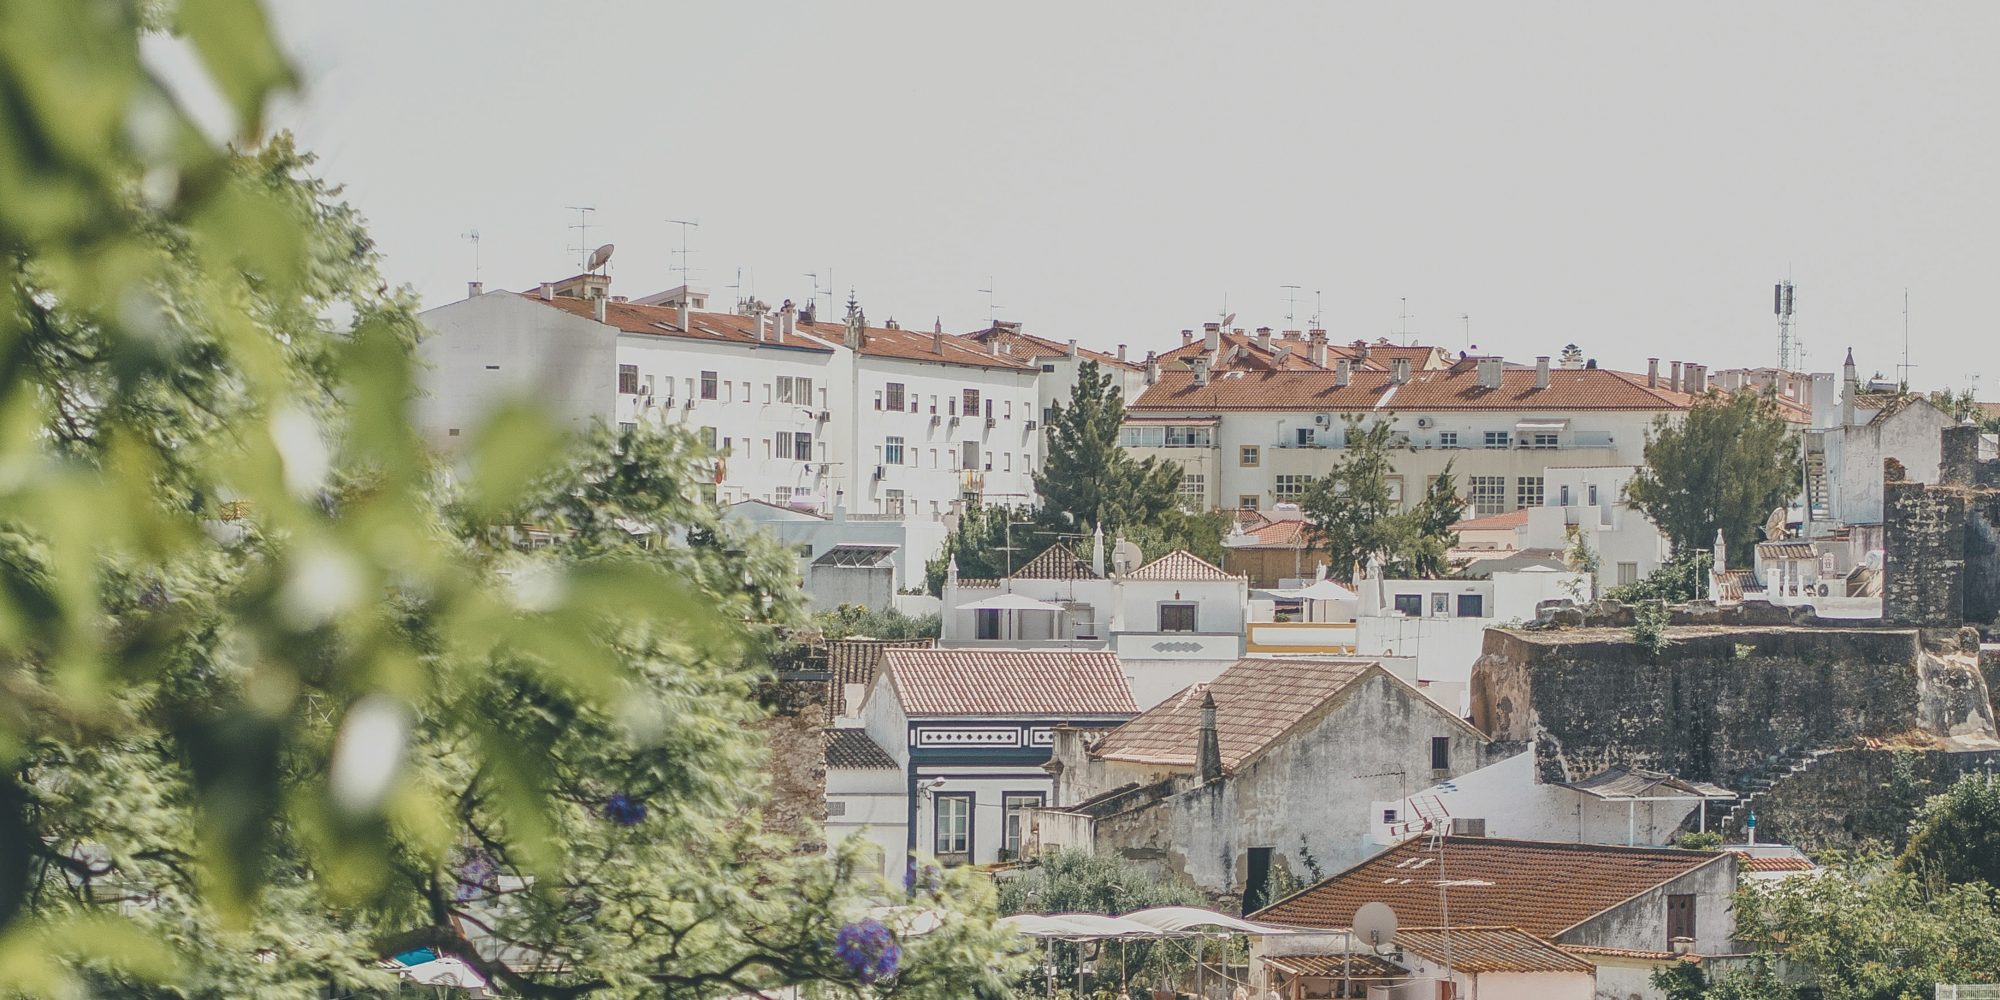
(1941,543)
(796,731)
(1720,703)
(1862,797)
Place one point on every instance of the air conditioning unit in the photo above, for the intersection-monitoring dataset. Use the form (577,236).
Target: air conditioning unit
(936,420)
(992,422)
(824,416)
(669,404)
(1468,826)
(1031,425)
(1323,420)
(878,472)
(1424,423)
(688,403)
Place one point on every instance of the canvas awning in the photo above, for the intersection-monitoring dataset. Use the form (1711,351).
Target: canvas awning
(1540,425)
(1153,923)
(1009,602)
(1635,784)
(1323,590)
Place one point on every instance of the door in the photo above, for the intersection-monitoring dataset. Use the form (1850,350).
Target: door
(1680,917)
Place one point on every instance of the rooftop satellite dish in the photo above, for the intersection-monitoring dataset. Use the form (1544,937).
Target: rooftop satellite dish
(1375,923)
(599,256)
(1227,321)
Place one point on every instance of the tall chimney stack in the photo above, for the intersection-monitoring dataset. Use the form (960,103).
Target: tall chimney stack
(1343,370)
(1201,370)
(1121,353)
(1187,337)
(1674,381)
(1652,373)
(473,289)
(1316,348)
(1399,371)
(1208,756)
(1542,372)
(1211,337)
(1264,338)
(1152,368)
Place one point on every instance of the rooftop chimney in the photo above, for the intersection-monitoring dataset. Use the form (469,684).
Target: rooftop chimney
(937,336)
(1211,336)
(1652,373)
(1343,370)
(683,315)
(1072,347)
(1264,337)
(1490,373)
(786,317)
(1121,353)
(1674,382)
(548,291)
(1208,755)
(1542,372)
(1201,370)
(597,307)
(762,335)
(1399,371)
(1152,368)
(473,288)
(1361,350)
(1697,378)
(1187,337)
(1317,348)
(993,347)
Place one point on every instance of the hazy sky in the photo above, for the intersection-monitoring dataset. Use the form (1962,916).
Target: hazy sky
(1587,172)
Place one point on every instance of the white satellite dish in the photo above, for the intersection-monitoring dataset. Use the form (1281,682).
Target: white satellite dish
(1228,321)
(1375,923)
(599,256)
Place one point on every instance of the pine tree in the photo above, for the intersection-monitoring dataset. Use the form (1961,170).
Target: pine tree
(1088,479)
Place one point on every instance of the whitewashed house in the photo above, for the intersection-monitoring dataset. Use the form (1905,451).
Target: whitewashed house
(1441,624)
(868,797)
(1059,364)
(969,730)
(1844,452)
(1175,621)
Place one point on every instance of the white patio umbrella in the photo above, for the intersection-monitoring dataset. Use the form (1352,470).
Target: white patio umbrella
(1010,602)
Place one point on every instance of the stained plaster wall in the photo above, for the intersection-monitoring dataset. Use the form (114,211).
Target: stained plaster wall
(1641,923)
(1720,702)
(1311,788)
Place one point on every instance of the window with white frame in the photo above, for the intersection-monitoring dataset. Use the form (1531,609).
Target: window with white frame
(1289,486)
(1628,574)
(1527,492)
(1447,439)
(892,450)
(954,823)
(1194,492)
(1499,439)
(796,389)
(1247,501)
(1543,439)
(892,502)
(783,495)
(1488,494)
(1011,806)
(708,384)
(628,379)
(894,393)
(969,402)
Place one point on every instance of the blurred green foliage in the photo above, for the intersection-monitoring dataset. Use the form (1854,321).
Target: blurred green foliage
(279,695)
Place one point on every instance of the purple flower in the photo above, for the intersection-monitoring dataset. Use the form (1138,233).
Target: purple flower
(475,874)
(869,949)
(624,810)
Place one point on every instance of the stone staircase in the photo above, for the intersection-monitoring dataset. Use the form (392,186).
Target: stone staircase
(1760,780)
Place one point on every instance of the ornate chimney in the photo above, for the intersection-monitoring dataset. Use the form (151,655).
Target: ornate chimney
(1208,755)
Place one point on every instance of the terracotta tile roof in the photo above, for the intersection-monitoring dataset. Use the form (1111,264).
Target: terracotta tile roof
(1056,562)
(1010,682)
(1495,522)
(1457,389)
(1027,346)
(1787,549)
(1751,863)
(664,321)
(1589,950)
(1247,355)
(914,345)
(1321,966)
(1541,887)
(1490,949)
(1256,702)
(1287,534)
(855,749)
(855,661)
(823,335)
(1181,564)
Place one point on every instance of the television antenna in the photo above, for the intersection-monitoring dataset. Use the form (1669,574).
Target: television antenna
(812,279)
(582,227)
(991,309)
(1466,320)
(473,236)
(1291,300)
(684,253)
(1903,369)
(1316,309)
(1403,320)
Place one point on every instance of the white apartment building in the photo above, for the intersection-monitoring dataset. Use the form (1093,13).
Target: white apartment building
(1250,438)
(885,422)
